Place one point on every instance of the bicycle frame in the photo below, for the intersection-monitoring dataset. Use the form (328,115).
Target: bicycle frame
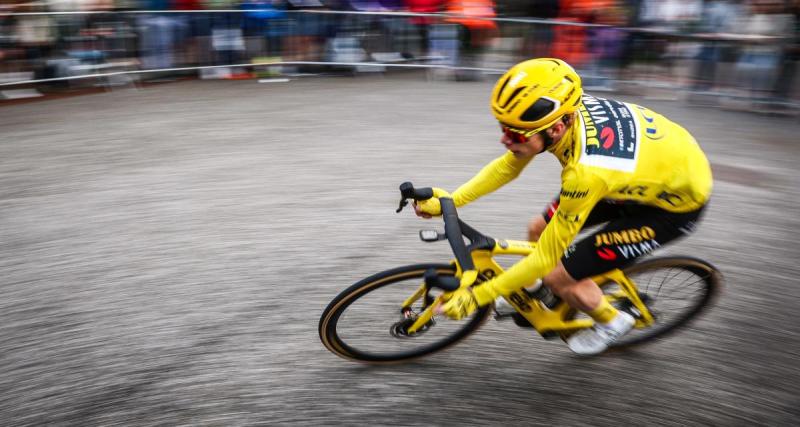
(544,320)
(480,263)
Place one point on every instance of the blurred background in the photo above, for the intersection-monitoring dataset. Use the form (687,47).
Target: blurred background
(184,187)
(733,53)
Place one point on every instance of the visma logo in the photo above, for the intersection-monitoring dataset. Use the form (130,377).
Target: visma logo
(607,254)
(608,137)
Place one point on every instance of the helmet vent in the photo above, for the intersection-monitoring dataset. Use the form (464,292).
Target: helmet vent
(500,92)
(513,95)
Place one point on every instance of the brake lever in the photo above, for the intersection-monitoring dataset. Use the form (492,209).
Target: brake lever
(403,203)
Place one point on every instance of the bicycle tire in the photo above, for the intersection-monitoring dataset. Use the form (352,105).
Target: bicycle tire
(708,279)
(329,322)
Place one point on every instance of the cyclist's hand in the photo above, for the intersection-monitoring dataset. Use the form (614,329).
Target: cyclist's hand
(431,207)
(460,304)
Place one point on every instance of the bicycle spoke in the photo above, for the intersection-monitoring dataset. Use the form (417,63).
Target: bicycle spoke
(369,324)
(674,291)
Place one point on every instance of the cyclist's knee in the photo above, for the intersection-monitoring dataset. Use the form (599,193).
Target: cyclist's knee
(582,294)
(535,228)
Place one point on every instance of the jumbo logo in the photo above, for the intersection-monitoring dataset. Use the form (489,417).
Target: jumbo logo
(625,237)
(593,115)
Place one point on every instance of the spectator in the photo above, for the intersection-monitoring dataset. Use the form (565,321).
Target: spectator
(7,37)
(189,26)
(421,25)
(606,47)
(475,31)
(267,19)
(570,42)
(34,33)
(786,85)
(226,32)
(719,17)
(539,39)
(759,61)
(157,36)
(304,42)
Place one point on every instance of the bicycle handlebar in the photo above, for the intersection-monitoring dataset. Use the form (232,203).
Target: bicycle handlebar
(452,229)
(408,191)
(452,225)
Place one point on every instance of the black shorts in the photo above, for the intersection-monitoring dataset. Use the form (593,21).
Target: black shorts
(631,230)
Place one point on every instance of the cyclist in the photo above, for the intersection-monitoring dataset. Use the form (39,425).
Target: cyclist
(624,165)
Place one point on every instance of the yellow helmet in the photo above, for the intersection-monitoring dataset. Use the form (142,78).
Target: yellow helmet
(534,94)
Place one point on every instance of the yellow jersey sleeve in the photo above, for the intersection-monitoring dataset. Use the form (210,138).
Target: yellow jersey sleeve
(496,174)
(580,191)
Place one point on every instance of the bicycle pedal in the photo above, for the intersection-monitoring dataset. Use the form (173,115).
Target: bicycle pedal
(521,321)
(550,335)
(501,316)
(631,309)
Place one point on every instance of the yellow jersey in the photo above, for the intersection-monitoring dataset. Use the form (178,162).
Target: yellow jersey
(614,151)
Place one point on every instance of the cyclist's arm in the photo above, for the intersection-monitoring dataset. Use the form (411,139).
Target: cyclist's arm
(496,174)
(580,192)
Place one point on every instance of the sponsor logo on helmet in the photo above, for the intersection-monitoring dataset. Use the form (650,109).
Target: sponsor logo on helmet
(517,78)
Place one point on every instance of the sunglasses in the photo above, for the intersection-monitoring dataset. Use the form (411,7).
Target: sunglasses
(517,136)
(540,109)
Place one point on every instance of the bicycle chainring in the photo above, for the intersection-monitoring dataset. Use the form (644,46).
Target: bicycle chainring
(400,329)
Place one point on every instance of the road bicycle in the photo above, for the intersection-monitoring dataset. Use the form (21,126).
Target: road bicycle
(388,317)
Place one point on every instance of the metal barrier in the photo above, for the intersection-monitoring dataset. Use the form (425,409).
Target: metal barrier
(51,50)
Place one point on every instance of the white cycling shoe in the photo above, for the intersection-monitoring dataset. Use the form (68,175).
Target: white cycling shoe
(502,308)
(596,340)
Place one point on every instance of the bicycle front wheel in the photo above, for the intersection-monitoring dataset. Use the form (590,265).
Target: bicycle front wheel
(364,322)
(675,290)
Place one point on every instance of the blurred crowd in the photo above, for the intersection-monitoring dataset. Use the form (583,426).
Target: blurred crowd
(705,46)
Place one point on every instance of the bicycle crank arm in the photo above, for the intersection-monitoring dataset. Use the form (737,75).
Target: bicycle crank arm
(424,317)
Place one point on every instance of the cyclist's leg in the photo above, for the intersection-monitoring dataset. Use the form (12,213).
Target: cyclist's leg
(615,245)
(535,227)
(636,232)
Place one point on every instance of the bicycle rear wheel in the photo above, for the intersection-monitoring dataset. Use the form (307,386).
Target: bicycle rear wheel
(676,290)
(362,322)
